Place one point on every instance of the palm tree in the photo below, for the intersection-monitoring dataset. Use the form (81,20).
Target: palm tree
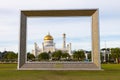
(115,53)
(78,55)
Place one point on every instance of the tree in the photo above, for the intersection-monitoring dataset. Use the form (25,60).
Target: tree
(0,55)
(43,56)
(115,53)
(101,57)
(78,55)
(89,55)
(3,54)
(30,56)
(10,55)
(57,55)
(65,55)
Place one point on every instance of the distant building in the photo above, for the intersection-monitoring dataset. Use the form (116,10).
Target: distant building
(49,46)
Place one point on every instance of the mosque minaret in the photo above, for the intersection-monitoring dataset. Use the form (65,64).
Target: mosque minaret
(48,46)
(64,41)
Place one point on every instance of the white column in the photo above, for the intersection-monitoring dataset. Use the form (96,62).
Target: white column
(35,46)
(64,41)
(86,56)
(104,56)
(70,49)
(53,46)
(42,47)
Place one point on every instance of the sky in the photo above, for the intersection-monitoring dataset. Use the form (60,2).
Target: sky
(109,21)
(77,30)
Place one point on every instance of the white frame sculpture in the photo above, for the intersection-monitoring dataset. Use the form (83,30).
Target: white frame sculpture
(22,65)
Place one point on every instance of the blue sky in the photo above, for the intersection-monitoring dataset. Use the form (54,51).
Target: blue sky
(109,17)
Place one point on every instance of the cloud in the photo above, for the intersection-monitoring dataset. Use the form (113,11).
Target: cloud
(10,20)
(109,27)
(61,4)
(110,44)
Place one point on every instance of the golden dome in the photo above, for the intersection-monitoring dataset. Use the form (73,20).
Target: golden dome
(48,37)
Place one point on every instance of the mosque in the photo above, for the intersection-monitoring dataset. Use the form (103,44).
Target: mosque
(48,46)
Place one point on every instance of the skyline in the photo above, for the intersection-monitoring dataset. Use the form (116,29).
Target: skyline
(109,19)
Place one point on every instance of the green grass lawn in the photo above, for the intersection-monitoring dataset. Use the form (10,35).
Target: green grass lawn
(9,72)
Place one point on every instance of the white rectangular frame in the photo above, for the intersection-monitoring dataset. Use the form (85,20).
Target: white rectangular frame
(59,13)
